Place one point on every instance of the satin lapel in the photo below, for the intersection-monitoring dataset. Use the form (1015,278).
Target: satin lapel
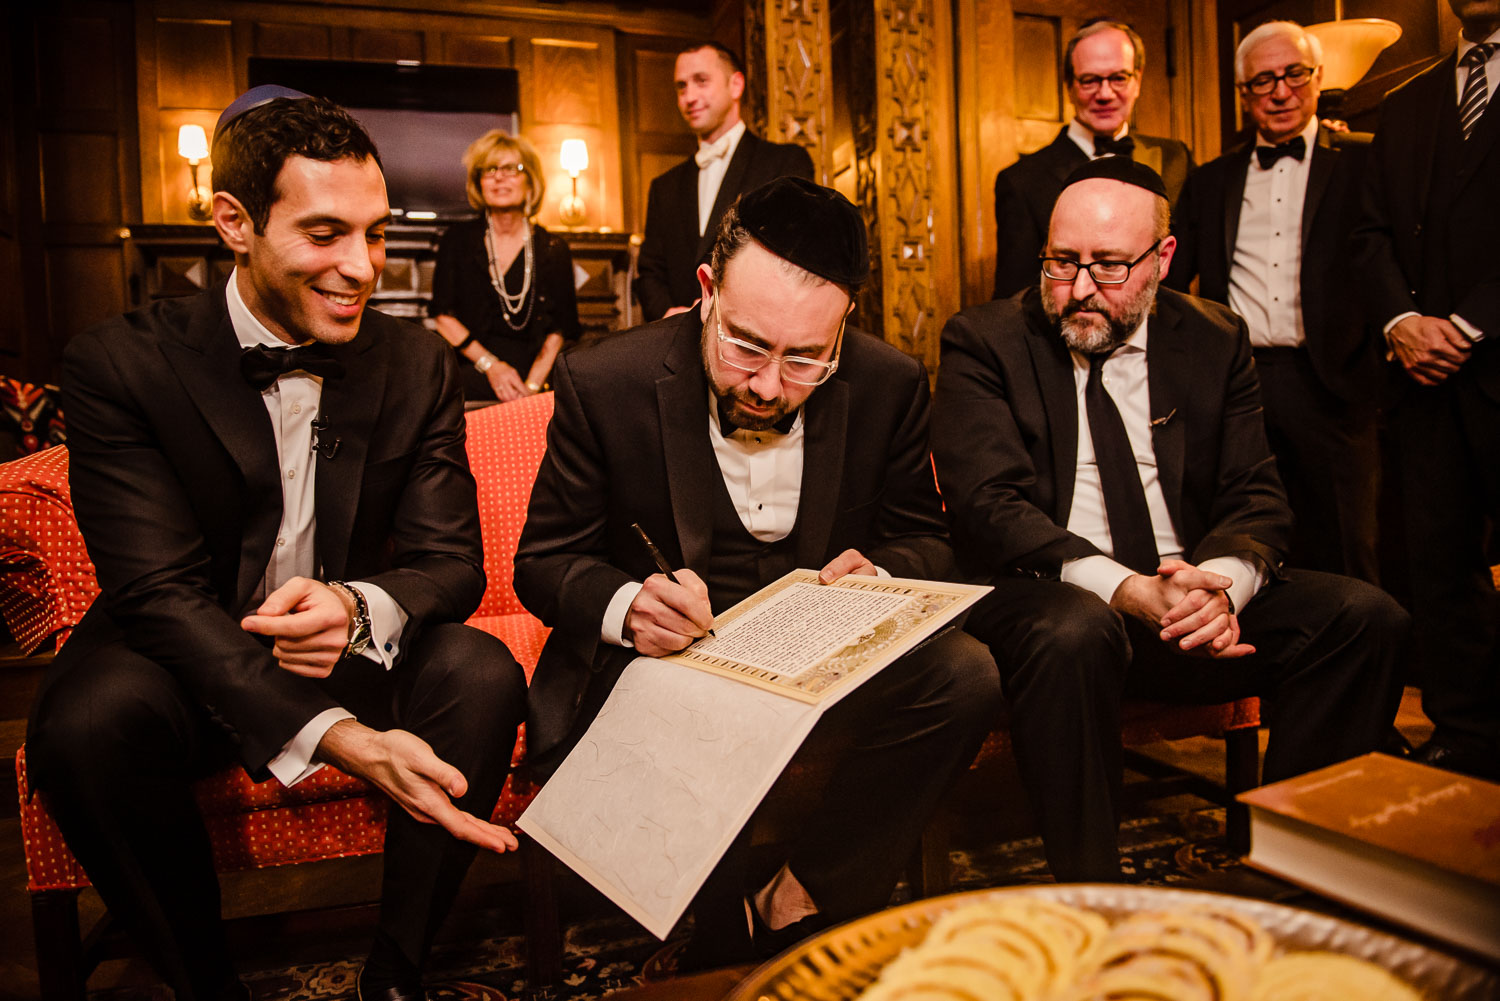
(1169,362)
(1319,173)
(729,190)
(1234,199)
(1424,136)
(682,409)
(207,363)
(826,430)
(349,406)
(1053,364)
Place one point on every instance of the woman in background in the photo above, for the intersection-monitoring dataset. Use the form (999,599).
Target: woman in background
(503,291)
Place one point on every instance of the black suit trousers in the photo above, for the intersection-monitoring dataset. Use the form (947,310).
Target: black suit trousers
(122,741)
(1328,455)
(1325,666)
(1448,450)
(884,755)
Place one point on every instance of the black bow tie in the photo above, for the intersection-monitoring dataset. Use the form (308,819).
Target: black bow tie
(1122,146)
(727,426)
(1268,155)
(261,366)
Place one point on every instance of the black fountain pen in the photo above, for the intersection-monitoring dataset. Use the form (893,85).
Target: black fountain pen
(661,561)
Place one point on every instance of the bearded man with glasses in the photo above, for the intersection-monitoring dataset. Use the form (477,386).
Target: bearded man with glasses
(749,437)
(1100,447)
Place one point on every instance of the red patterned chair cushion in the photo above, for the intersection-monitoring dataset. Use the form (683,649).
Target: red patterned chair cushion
(49,582)
(46,578)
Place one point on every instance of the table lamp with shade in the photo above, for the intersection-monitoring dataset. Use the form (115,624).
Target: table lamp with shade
(1350,48)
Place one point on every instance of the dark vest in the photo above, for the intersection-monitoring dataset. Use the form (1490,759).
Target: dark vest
(739,564)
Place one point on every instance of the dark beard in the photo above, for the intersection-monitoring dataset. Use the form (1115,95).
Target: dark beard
(731,401)
(1092,337)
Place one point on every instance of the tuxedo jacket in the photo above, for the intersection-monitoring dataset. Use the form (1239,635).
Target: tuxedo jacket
(1206,223)
(629,442)
(1005,438)
(177,489)
(672,249)
(1431,209)
(1026,190)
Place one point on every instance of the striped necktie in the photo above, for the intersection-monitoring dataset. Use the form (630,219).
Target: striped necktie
(1476,89)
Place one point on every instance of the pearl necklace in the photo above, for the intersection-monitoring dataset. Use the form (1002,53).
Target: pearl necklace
(511,305)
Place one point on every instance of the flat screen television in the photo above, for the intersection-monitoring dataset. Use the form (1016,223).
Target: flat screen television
(421,118)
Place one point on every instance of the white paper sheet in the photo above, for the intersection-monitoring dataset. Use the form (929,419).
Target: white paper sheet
(671,769)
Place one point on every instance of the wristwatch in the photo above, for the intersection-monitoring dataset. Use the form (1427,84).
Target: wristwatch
(484,364)
(359,623)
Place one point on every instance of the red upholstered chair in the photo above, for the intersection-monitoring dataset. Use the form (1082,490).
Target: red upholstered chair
(46,584)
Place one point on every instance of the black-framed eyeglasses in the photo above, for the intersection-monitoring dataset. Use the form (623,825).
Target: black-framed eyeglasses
(1090,82)
(752,358)
(1295,76)
(1065,269)
(508,169)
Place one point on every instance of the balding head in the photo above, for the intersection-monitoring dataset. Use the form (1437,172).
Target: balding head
(1104,220)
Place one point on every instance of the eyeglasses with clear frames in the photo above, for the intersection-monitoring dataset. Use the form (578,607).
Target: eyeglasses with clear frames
(1064,269)
(507,169)
(1263,84)
(747,357)
(1089,82)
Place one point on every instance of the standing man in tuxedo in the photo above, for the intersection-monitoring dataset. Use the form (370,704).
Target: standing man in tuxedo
(1428,269)
(1265,229)
(1102,67)
(271,481)
(750,437)
(1100,448)
(685,205)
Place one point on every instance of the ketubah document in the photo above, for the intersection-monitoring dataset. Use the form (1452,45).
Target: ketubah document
(686,747)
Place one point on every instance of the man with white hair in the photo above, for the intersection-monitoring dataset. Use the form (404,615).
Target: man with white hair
(1264,229)
(1101,453)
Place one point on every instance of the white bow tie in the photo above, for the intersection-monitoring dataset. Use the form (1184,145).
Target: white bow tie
(709,152)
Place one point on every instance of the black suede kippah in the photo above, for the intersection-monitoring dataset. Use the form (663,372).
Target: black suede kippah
(814,227)
(1120,168)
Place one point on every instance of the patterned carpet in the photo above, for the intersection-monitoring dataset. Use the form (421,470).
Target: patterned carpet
(606,951)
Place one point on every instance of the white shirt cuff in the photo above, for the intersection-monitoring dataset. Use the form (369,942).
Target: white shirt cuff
(1098,574)
(1247,576)
(295,762)
(387,621)
(1386,330)
(1466,328)
(612,629)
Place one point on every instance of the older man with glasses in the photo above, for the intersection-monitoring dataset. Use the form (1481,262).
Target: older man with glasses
(749,437)
(1265,229)
(1102,66)
(1100,448)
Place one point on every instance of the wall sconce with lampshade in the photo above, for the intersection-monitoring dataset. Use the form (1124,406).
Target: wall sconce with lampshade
(575,160)
(192,146)
(1350,48)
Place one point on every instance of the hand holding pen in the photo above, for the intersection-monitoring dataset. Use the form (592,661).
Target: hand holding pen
(671,610)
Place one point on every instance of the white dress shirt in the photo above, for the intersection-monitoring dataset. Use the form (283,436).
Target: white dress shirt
(292,403)
(1083,136)
(1125,378)
(1265,284)
(1461,77)
(711,177)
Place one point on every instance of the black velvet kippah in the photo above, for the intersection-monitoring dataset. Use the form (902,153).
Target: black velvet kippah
(1120,168)
(254,98)
(814,227)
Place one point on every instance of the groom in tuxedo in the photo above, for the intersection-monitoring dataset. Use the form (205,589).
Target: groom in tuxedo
(272,483)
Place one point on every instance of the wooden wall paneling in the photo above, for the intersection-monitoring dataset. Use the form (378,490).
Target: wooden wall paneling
(653,136)
(386,44)
(195,63)
(12,289)
(85,286)
(275,39)
(571,80)
(1195,32)
(984,47)
(460,48)
(798,95)
(72,188)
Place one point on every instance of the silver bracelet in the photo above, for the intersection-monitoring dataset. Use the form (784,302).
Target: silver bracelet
(485,363)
